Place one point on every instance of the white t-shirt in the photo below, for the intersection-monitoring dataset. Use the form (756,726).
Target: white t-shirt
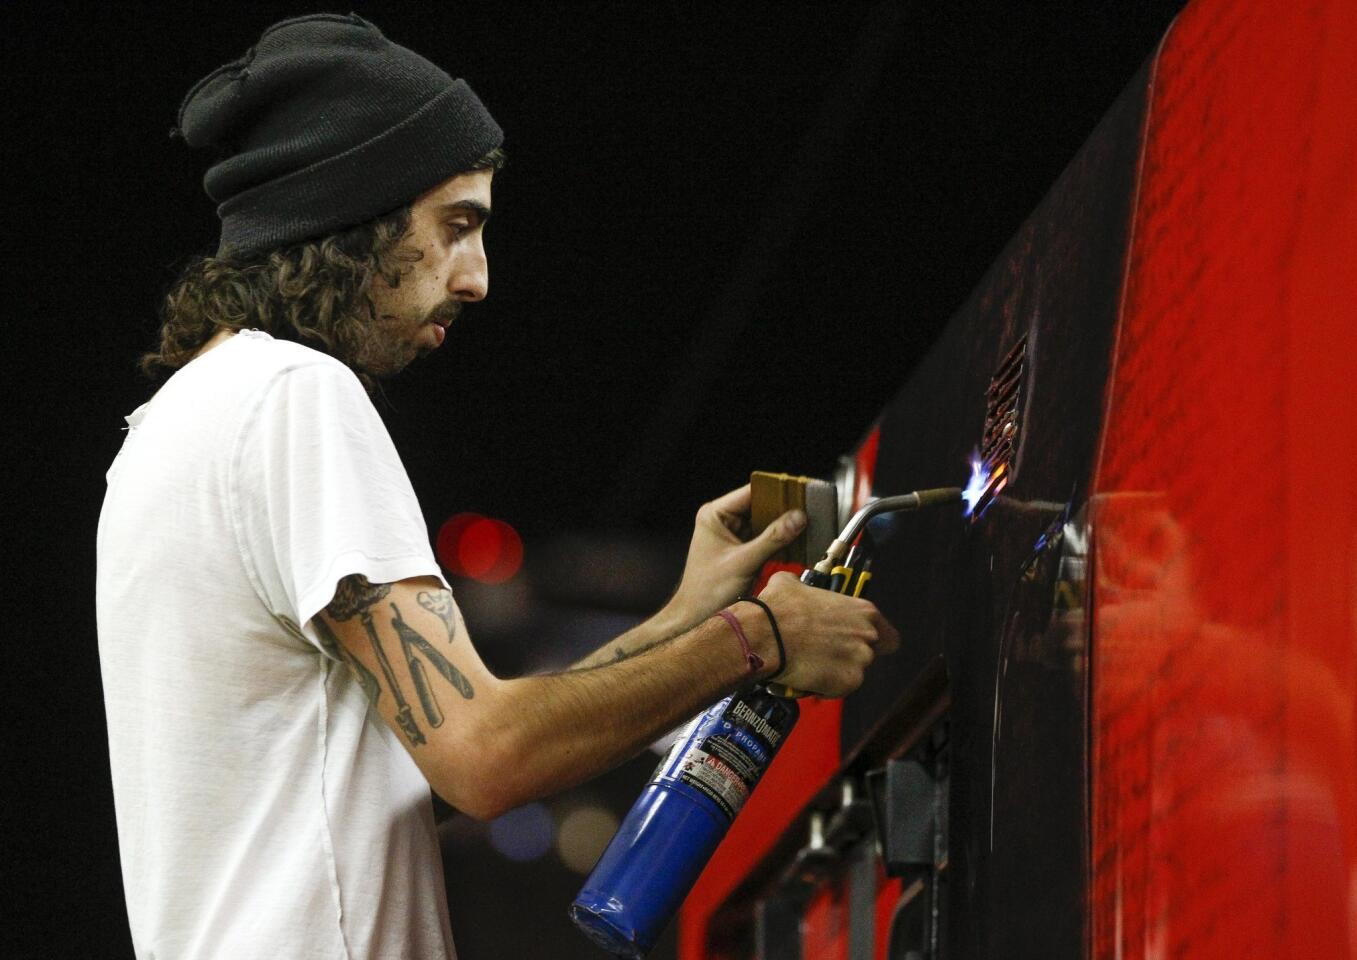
(264,811)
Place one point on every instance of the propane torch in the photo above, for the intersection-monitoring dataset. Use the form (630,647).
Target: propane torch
(844,558)
(704,780)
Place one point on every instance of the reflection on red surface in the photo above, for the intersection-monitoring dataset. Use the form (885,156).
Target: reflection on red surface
(1225,561)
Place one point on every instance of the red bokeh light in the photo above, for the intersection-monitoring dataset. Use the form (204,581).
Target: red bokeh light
(482,548)
(478,549)
(449,535)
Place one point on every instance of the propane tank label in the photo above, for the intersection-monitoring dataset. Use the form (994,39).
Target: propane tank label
(721,755)
(714,776)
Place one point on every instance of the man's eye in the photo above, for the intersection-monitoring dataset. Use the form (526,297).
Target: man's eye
(459,228)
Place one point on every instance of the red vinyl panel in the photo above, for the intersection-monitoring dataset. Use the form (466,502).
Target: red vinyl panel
(824,927)
(1225,574)
(888,892)
(864,467)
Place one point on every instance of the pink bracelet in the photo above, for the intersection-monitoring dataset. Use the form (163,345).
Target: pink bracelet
(754,660)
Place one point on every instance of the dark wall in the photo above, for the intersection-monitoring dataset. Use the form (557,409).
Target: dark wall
(726,233)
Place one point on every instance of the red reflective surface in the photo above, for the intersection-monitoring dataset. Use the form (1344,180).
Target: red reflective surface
(1225,538)
(864,464)
(824,926)
(888,891)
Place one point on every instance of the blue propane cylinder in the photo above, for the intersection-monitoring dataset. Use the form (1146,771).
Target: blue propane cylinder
(682,815)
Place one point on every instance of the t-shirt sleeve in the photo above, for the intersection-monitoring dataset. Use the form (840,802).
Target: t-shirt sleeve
(320,493)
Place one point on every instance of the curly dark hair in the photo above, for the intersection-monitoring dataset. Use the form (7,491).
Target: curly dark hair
(314,292)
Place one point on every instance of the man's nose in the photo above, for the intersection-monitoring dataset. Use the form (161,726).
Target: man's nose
(470,277)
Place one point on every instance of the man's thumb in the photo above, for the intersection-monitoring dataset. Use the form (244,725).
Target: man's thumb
(778,534)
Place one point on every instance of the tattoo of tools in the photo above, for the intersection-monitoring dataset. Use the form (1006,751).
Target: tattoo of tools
(411,641)
(355,597)
(371,688)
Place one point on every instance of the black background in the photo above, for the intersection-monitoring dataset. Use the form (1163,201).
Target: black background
(726,233)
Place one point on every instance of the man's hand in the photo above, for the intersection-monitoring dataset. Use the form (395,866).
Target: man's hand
(722,561)
(830,638)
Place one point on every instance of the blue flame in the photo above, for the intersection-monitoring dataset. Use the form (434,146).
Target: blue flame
(977,485)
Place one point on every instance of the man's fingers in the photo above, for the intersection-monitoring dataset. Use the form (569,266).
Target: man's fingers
(780,532)
(888,638)
(786,527)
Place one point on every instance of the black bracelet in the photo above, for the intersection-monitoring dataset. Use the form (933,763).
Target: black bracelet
(777,635)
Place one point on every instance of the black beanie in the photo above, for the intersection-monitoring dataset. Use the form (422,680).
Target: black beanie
(325,124)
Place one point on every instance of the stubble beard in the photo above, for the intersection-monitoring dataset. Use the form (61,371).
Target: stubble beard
(392,343)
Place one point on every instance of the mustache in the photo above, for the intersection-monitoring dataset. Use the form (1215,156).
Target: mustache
(445,313)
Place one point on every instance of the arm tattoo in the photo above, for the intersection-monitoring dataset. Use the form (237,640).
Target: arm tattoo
(440,603)
(354,597)
(620,653)
(412,640)
(371,688)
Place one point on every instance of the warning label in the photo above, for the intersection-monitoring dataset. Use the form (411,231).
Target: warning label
(715,776)
(722,754)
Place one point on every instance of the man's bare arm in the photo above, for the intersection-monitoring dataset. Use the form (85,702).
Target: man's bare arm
(487,745)
(638,639)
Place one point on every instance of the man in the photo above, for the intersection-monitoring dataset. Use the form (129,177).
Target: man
(285,670)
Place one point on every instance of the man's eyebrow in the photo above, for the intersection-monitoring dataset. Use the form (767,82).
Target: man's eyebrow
(475,206)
